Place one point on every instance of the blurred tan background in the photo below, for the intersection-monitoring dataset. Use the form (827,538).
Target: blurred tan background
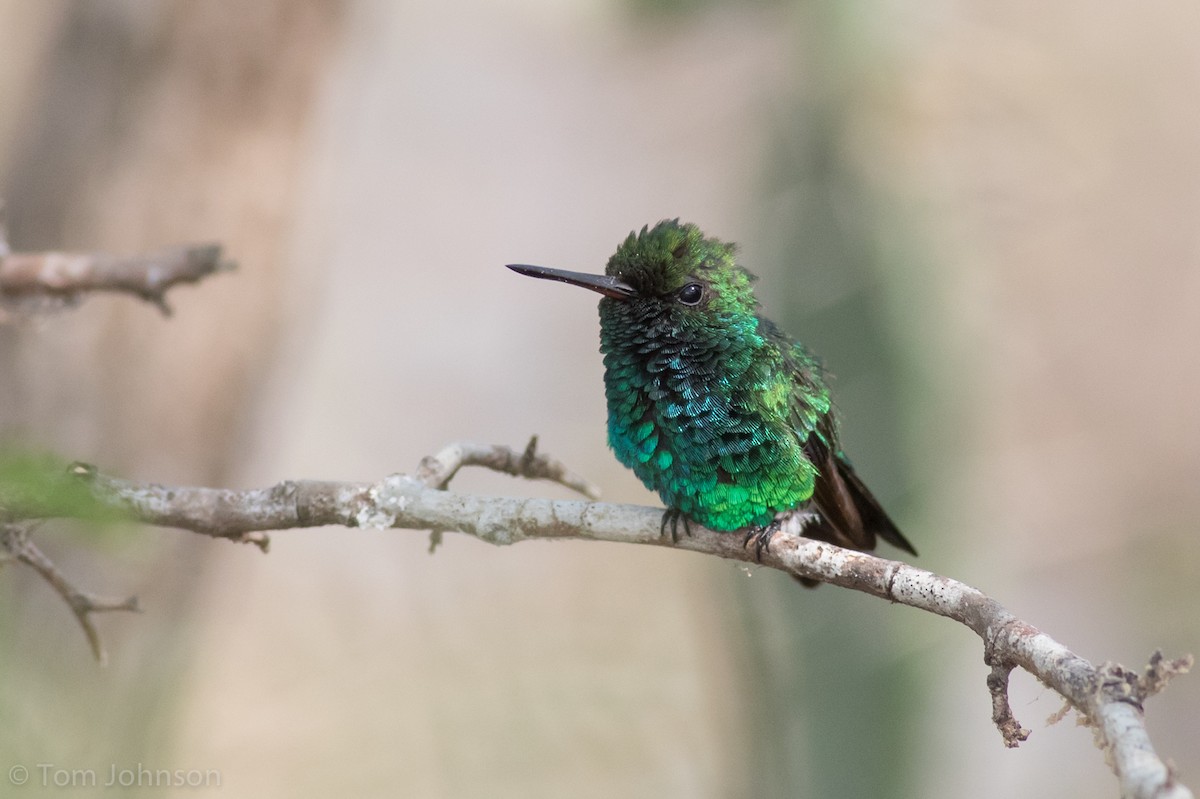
(984,218)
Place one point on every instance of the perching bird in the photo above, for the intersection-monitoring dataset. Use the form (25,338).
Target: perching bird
(711,405)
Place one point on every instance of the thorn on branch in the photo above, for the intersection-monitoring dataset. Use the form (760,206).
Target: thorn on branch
(15,540)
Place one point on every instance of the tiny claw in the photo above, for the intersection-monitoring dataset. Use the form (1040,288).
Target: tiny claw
(761,536)
(673,515)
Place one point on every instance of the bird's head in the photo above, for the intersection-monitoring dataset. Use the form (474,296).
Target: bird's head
(669,276)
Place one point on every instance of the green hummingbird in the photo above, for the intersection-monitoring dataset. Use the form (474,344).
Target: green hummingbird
(711,404)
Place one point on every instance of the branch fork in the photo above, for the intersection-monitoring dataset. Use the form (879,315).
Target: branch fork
(14,539)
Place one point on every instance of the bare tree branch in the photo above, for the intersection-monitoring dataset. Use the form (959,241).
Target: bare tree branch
(1109,698)
(28,278)
(14,538)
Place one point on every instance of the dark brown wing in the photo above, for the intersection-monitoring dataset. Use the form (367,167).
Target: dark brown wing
(850,516)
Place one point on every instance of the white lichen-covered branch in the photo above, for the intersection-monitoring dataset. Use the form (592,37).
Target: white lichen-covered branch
(1109,697)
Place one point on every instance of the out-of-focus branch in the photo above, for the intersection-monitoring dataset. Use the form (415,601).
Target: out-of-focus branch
(1109,698)
(28,278)
(4,248)
(15,542)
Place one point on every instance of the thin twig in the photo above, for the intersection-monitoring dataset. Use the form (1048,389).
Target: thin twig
(436,471)
(14,538)
(1108,698)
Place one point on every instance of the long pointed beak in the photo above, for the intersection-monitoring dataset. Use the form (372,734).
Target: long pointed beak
(608,286)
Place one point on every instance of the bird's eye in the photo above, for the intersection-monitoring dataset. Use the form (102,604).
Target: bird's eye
(691,294)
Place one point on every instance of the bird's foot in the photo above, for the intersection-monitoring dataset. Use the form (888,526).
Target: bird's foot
(761,537)
(672,516)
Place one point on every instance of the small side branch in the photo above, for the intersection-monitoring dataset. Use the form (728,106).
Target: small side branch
(1002,716)
(14,539)
(1108,698)
(30,278)
(436,471)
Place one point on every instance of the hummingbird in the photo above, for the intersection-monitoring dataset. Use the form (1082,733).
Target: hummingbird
(711,405)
